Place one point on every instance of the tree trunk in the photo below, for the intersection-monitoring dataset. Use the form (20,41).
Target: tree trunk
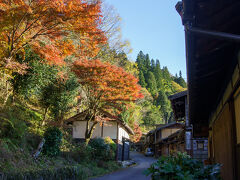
(39,149)
(7,93)
(44,117)
(89,132)
(61,120)
(87,141)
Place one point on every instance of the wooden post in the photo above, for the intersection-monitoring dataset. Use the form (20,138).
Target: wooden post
(188,133)
(117,143)
(123,147)
(155,140)
(102,129)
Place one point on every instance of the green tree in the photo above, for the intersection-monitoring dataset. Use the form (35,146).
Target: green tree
(59,96)
(153,65)
(180,80)
(166,73)
(164,104)
(46,86)
(147,63)
(141,62)
(142,81)
(158,75)
(38,75)
(180,73)
(151,83)
(152,116)
(53,140)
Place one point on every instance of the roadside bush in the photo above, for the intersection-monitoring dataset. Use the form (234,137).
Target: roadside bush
(113,147)
(103,149)
(53,139)
(182,167)
(80,153)
(100,148)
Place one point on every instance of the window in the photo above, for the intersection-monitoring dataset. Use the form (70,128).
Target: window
(200,145)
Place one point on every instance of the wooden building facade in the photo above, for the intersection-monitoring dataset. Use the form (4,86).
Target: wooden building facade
(212,34)
(112,127)
(196,147)
(178,136)
(169,139)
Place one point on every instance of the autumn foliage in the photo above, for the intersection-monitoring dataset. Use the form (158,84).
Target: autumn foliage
(55,29)
(67,34)
(137,133)
(107,82)
(107,88)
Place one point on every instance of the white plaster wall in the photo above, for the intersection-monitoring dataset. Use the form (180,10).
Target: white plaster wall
(122,133)
(97,132)
(79,128)
(110,130)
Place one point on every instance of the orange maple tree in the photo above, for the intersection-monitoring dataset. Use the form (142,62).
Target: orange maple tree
(53,28)
(107,82)
(137,133)
(106,87)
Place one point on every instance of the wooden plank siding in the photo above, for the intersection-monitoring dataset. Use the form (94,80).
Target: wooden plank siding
(224,139)
(238,159)
(237,130)
(222,142)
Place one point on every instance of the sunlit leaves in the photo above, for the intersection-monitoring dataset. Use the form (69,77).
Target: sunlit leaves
(48,26)
(108,82)
(137,133)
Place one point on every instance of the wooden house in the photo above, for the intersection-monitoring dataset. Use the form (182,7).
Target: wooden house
(197,147)
(163,144)
(212,33)
(113,127)
(174,137)
(150,139)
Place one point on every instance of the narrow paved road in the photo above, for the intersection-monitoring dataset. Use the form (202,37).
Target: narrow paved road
(131,173)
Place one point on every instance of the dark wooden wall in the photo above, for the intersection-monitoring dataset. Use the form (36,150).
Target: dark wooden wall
(119,151)
(123,150)
(222,142)
(238,161)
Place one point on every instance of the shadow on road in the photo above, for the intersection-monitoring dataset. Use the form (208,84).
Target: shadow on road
(131,173)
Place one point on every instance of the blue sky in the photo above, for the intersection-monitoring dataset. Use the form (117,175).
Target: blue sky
(154,26)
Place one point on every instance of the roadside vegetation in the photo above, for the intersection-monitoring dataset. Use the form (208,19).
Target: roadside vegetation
(77,161)
(182,167)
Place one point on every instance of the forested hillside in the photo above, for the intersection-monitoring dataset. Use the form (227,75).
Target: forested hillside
(160,84)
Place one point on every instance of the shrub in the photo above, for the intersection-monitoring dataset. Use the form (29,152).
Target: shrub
(111,143)
(113,148)
(100,148)
(182,167)
(12,125)
(103,149)
(81,153)
(53,138)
